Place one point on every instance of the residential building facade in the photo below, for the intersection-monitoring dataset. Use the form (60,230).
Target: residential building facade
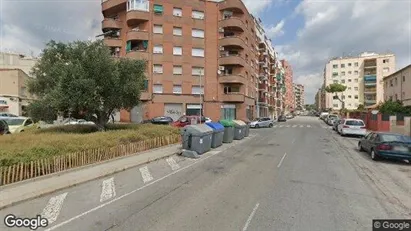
(289,87)
(299,96)
(397,86)
(14,96)
(363,75)
(17,61)
(202,56)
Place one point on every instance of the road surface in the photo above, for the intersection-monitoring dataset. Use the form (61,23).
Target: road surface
(298,175)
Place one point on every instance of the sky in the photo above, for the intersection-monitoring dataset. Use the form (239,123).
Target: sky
(305,32)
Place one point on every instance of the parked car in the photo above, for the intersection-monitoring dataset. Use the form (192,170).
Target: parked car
(330,119)
(289,116)
(188,120)
(323,115)
(6,114)
(282,118)
(336,123)
(262,122)
(208,120)
(386,145)
(162,120)
(78,121)
(4,127)
(352,127)
(18,124)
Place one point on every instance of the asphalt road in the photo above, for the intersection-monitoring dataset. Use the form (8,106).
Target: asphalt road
(298,175)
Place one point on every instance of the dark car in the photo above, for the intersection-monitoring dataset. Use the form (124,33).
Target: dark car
(162,120)
(188,120)
(282,118)
(4,127)
(386,145)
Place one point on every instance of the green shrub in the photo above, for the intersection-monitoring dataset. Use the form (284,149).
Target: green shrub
(77,129)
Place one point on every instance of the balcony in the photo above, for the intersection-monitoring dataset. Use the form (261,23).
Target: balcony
(232,79)
(233,5)
(370,78)
(137,35)
(263,76)
(233,97)
(109,4)
(370,101)
(370,90)
(232,41)
(232,22)
(138,13)
(229,59)
(139,55)
(370,63)
(109,23)
(113,42)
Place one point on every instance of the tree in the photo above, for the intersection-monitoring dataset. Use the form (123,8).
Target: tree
(361,107)
(336,88)
(394,107)
(82,78)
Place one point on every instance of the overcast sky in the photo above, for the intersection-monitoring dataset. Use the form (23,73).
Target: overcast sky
(307,33)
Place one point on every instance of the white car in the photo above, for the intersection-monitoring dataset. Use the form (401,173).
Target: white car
(354,127)
(18,124)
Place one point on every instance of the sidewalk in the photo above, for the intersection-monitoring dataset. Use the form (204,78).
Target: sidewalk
(32,188)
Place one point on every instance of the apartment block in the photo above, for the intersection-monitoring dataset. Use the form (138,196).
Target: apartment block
(299,96)
(363,75)
(202,56)
(289,87)
(397,86)
(17,61)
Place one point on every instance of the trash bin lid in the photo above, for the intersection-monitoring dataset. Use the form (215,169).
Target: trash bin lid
(227,123)
(198,129)
(215,126)
(239,123)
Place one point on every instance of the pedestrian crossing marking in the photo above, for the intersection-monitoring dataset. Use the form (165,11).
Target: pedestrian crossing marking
(275,126)
(301,126)
(108,189)
(53,207)
(308,126)
(173,164)
(287,126)
(294,126)
(146,174)
(281,126)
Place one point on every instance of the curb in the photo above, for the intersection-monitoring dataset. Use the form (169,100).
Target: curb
(33,188)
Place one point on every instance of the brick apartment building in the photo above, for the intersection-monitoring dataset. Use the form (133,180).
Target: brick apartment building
(289,87)
(201,55)
(299,96)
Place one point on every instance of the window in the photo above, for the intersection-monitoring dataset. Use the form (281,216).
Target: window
(158,29)
(343,73)
(349,64)
(177,31)
(349,72)
(356,64)
(396,83)
(157,88)
(355,96)
(177,70)
(178,12)
(391,83)
(403,78)
(158,49)
(228,112)
(349,104)
(177,51)
(335,81)
(349,88)
(335,74)
(158,9)
(158,68)
(343,81)
(177,89)
(197,71)
(197,52)
(385,61)
(342,65)
(356,88)
(349,96)
(197,14)
(386,69)
(335,66)
(197,33)
(335,105)
(28,122)
(349,80)
(355,72)
(356,80)
(197,90)
(145,87)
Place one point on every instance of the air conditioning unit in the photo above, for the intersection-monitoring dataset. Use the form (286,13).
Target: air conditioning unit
(221,48)
(221,68)
(221,30)
(117,33)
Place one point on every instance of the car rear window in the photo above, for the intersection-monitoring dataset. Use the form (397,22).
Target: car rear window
(393,138)
(354,123)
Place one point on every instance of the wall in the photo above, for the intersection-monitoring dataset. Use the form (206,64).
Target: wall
(404,129)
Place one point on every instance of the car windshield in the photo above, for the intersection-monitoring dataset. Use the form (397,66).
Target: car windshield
(354,123)
(333,117)
(394,137)
(15,122)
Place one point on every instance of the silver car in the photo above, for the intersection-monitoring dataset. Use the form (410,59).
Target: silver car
(262,122)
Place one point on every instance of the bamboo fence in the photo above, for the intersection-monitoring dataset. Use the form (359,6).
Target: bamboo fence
(23,171)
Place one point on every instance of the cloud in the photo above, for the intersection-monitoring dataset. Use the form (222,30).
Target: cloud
(336,28)
(275,31)
(28,25)
(256,6)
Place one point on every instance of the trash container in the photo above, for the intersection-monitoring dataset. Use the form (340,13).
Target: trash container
(218,134)
(247,128)
(197,138)
(228,131)
(239,129)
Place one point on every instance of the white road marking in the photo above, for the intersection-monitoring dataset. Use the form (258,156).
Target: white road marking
(52,210)
(247,223)
(173,164)
(281,161)
(146,174)
(287,126)
(308,126)
(127,194)
(294,126)
(108,189)
(301,126)
(281,126)
(275,126)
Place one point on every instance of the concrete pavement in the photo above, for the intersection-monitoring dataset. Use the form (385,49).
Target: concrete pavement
(300,177)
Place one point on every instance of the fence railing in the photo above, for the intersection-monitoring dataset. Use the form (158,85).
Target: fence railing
(23,171)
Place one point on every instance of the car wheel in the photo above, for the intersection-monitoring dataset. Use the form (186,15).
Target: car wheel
(360,147)
(374,155)
(271,125)
(257,126)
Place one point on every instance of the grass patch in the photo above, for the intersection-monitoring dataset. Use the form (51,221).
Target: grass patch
(34,144)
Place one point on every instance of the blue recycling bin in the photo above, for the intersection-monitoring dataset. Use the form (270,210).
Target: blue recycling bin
(218,134)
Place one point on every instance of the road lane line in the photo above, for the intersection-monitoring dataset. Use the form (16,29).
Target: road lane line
(250,217)
(275,126)
(294,126)
(281,126)
(52,210)
(173,164)
(146,174)
(287,126)
(281,161)
(127,194)
(108,189)
(301,126)
(308,126)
